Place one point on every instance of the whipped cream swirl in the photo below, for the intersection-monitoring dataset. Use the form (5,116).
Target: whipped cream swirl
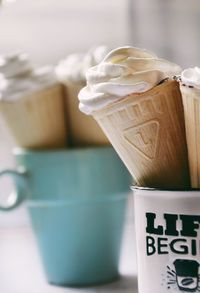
(74,67)
(123,71)
(14,65)
(15,88)
(191,77)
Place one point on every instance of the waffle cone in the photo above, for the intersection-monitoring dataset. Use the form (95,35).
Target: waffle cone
(83,129)
(37,120)
(191,103)
(147,131)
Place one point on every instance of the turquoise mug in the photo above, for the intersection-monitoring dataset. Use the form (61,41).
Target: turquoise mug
(60,174)
(79,240)
(77,203)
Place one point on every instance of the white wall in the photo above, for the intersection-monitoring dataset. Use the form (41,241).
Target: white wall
(170,28)
(51,29)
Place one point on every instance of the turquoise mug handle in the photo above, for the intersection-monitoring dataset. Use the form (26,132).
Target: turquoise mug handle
(19,194)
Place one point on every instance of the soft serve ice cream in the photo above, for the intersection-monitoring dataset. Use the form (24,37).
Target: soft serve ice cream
(34,81)
(73,68)
(191,77)
(12,65)
(19,78)
(123,71)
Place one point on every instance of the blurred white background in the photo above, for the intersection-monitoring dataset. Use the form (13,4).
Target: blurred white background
(168,27)
(49,30)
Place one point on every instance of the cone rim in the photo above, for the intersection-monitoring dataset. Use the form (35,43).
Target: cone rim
(151,92)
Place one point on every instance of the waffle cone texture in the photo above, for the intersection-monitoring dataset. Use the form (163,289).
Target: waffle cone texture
(191,103)
(37,120)
(83,129)
(147,131)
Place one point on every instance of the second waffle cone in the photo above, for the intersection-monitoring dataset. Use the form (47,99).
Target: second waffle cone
(191,103)
(37,120)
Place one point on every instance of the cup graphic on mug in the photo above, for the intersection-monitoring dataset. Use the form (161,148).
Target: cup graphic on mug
(167,226)
(187,274)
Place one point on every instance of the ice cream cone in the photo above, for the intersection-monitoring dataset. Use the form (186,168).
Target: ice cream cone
(147,130)
(37,120)
(83,130)
(191,103)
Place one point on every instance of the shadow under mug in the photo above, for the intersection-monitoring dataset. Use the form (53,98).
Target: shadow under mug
(168,240)
(77,204)
(61,174)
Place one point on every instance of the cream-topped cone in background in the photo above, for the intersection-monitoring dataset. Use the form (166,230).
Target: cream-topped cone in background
(147,131)
(191,103)
(71,72)
(37,120)
(83,130)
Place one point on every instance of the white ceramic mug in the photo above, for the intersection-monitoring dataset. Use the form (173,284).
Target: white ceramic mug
(168,240)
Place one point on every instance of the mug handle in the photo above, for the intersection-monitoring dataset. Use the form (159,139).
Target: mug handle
(19,194)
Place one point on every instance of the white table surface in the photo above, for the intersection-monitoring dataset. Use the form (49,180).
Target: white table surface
(21,270)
